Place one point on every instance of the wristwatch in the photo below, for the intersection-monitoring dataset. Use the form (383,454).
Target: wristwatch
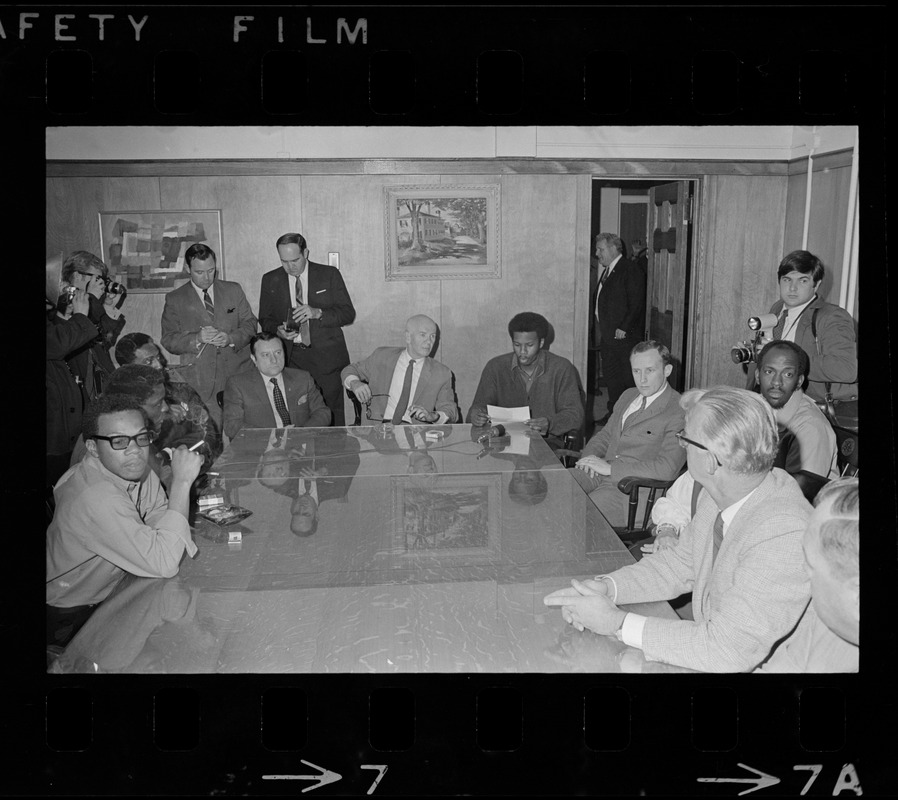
(664,527)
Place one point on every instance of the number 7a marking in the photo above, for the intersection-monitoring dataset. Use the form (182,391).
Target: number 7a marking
(381,771)
(815,770)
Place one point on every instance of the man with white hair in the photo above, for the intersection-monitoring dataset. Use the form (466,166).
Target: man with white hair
(404,384)
(740,556)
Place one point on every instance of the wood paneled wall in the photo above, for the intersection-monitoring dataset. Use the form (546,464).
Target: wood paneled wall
(740,246)
(540,230)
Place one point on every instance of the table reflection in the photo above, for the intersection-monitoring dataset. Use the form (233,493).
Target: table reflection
(358,557)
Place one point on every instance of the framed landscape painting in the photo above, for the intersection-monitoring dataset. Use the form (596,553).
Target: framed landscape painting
(442,231)
(144,250)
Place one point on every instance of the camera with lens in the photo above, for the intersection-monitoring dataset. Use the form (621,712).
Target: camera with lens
(114,287)
(746,352)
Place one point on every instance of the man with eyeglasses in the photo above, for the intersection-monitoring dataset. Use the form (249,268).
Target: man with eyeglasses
(306,305)
(112,516)
(271,396)
(740,555)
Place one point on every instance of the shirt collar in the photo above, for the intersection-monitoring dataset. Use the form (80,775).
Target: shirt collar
(199,292)
(784,415)
(653,397)
(729,513)
(613,264)
(796,311)
(92,463)
(540,362)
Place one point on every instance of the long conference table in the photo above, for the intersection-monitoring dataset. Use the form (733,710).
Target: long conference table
(371,550)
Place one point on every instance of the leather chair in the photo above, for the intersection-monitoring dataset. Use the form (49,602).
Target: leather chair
(219,398)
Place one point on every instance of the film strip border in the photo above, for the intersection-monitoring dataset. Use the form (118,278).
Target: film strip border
(433,65)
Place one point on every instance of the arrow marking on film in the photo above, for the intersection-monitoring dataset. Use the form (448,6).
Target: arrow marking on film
(325,777)
(763,780)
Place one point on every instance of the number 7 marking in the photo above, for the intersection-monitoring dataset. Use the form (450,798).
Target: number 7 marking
(815,771)
(381,771)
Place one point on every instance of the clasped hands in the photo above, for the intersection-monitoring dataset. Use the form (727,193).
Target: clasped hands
(209,334)
(587,605)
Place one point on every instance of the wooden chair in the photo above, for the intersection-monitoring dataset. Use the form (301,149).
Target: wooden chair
(633,533)
(219,398)
(846,457)
(356,407)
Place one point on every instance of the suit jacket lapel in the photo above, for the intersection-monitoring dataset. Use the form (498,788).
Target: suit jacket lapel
(656,408)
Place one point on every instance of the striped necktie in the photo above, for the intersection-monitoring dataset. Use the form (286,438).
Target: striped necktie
(304,336)
(279,403)
(780,324)
(207,302)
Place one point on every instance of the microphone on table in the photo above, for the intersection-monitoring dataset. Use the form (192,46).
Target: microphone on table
(493,433)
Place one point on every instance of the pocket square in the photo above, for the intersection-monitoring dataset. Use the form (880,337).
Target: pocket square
(303,399)
(231,310)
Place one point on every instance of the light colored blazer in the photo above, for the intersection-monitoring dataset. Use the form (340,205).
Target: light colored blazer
(433,392)
(647,446)
(246,402)
(183,316)
(753,596)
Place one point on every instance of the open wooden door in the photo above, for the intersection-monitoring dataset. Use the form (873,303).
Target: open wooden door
(669,252)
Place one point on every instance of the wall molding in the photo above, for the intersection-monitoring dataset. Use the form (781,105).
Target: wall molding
(833,160)
(608,167)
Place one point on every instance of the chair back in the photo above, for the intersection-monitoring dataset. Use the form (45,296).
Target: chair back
(219,398)
(846,457)
(356,406)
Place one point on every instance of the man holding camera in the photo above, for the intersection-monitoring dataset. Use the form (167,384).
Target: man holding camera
(306,305)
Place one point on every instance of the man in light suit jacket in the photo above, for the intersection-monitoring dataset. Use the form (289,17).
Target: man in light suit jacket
(209,324)
(640,438)
(270,396)
(404,384)
(740,556)
(619,308)
(306,304)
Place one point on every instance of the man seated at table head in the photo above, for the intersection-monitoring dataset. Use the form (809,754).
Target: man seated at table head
(112,515)
(827,637)
(640,437)
(740,556)
(404,384)
(531,376)
(271,396)
(187,415)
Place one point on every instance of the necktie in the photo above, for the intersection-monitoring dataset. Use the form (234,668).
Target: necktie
(402,405)
(304,337)
(718,537)
(642,404)
(207,302)
(780,324)
(279,403)
(599,290)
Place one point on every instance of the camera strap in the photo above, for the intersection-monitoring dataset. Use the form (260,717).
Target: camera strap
(828,395)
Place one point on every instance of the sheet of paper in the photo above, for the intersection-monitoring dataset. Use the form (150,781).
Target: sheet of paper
(500,414)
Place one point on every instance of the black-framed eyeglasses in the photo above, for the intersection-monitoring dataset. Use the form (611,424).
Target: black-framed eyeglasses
(122,442)
(683,442)
(368,404)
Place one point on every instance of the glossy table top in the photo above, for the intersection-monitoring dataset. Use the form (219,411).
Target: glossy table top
(430,555)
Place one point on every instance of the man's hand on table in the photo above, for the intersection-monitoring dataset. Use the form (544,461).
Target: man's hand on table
(588,606)
(594,466)
(479,417)
(422,414)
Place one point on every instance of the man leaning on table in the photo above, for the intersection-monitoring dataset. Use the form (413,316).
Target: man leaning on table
(112,516)
(404,384)
(740,556)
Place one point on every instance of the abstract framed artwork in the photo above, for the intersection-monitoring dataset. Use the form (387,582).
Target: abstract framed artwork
(144,250)
(442,231)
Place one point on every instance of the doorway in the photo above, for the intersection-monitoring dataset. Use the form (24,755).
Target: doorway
(654,218)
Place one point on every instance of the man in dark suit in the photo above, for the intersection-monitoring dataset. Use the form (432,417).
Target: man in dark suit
(404,384)
(306,304)
(270,396)
(208,323)
(619,307)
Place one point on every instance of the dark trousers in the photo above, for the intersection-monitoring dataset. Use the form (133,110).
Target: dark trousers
(329,383)
(616,367)
(64,623)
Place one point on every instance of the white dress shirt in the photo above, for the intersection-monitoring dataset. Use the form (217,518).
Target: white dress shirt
(791,323)
(199,293)
(637,403)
